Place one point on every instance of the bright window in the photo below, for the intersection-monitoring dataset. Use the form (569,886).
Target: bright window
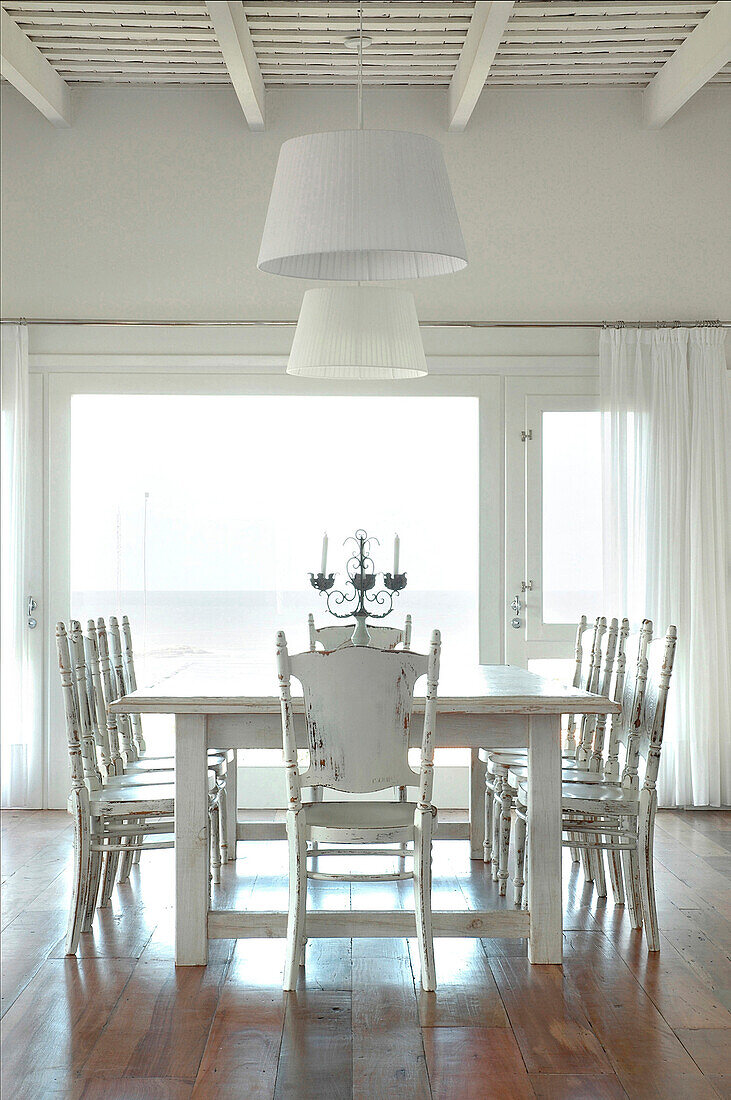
(201,516)
(572,516)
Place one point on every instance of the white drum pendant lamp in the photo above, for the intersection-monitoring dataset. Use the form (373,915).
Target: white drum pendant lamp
(357,332)
(361,205)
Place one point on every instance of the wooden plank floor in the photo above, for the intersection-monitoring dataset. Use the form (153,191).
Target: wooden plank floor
(120,1023)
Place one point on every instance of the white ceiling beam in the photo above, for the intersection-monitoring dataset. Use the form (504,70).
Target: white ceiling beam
(704,53)
(234,38)
(23,65)
(480,46)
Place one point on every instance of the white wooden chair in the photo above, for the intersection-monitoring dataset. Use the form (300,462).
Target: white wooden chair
(499,794)
(587,764)
(358,703)
(624,810)
(223,763)
(337,635)
(111,814)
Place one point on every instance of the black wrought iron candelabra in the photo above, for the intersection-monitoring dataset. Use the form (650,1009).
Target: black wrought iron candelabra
(358,598)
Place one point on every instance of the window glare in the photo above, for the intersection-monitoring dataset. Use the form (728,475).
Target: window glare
(201,517)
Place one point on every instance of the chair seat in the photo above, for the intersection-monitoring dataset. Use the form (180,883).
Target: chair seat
(360,822)
(518,772)
(147,762)
(506,757)
(594,798)
(138,798)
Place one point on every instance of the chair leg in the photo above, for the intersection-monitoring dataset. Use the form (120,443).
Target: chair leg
(223,822)
(519,880)
(506,802)
(95,874)
(111,862)
(316,795)
(597,860)
(615,875)
(424,824)
(403,848)
(297,917)
(125,864)
(648,805)
(496,808)
(80,888)
(487,844)
(631,866)
(586,863)
(215,845)
(232,803)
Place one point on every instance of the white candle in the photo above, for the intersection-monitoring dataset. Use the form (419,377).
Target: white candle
(323,567)
(396,549)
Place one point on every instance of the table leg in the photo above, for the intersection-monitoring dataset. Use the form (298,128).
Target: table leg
(191,841)
(545,944)
(232,803)
(477,806)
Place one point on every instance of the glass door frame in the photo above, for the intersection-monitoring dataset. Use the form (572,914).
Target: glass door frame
(525,401)
(63,385)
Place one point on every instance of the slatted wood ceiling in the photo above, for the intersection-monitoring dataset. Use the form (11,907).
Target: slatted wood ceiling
(546,42)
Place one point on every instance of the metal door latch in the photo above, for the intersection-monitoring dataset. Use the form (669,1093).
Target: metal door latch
(32,605)
(516,624)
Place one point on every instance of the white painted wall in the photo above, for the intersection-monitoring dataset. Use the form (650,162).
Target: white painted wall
(152,203)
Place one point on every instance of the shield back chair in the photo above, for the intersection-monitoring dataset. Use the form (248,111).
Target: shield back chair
(625,809)
(337,635)
(500,795)
(110,815)
(358,703)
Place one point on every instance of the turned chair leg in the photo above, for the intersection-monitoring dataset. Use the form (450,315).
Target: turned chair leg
(631,866)
(615,874)
(487,843)
(297,917)
(506,801)
(215,845)
(80,889)
(223,822)
(125,863)
(519,880)
(111,862)
(422,898)
(496,809)
(597,864)
(648,804)
(95,874)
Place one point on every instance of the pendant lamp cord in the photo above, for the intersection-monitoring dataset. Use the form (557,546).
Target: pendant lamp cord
(360,67)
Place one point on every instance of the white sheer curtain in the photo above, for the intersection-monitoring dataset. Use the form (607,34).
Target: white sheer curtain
(665,419)
(20,753)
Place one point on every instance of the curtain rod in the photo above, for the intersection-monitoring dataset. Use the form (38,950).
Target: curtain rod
(123,323)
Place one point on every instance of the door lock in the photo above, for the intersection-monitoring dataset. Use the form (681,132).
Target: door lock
(516,623)
(32,605)
(516,605)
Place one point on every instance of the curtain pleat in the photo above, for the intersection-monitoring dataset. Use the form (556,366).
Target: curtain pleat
(20,753)
(664,403)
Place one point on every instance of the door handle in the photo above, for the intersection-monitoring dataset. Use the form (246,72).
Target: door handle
(516,605)
(32,605)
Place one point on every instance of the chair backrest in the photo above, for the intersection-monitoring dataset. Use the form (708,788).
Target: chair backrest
(106,723)
(114,690)
(589,681)
(579,647)
(120,678)
(71,710)
(601,684)
(128,661)
(611,765)
(633,694)
(648,743)
(358,703)
(337,635)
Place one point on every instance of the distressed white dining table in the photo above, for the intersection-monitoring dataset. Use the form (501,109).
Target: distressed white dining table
(230,705)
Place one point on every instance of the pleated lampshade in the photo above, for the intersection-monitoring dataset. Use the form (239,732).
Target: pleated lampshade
(361,205)
(357,332)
